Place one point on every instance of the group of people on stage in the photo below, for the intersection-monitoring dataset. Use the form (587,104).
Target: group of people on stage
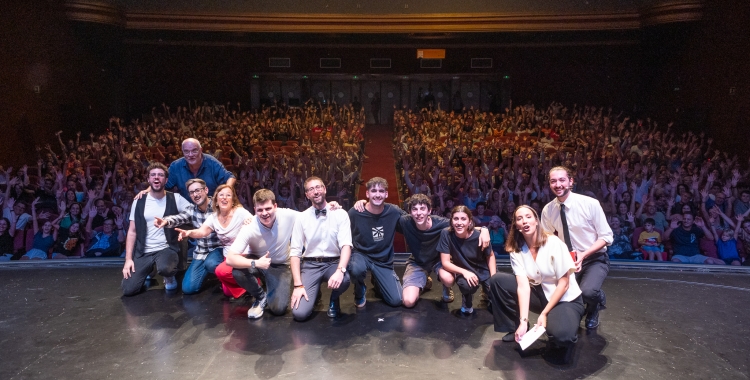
(280,257)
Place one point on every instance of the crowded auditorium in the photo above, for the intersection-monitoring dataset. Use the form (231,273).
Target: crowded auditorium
(335,189)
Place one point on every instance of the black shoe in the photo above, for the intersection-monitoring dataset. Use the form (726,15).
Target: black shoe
(334,309)
(592,319)
(509,337)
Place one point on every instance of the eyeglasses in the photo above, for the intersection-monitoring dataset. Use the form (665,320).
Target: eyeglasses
(316,187)
(196,191)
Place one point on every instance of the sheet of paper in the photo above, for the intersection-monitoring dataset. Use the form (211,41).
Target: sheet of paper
(531,336)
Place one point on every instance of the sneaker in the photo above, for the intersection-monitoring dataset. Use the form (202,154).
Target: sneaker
(448,296)
(256,311)
(466,304)
(170,283)
(428,285)
(360,302)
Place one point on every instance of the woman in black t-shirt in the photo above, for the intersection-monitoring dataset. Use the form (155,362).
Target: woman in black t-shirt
(463,260)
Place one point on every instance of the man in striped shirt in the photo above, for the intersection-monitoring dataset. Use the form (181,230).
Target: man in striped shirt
(208,253)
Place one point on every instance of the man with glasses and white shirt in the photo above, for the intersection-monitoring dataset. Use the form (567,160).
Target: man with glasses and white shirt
(326,238)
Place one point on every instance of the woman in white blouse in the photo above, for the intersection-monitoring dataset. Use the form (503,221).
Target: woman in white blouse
(226,220)
(541,282)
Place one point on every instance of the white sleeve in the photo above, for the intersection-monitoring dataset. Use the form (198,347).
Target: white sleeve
(516,262)
(182,203)
(344,235)
(132,209)
(545,219)
(298,238)
(603,231)
(241,241)
(210,220)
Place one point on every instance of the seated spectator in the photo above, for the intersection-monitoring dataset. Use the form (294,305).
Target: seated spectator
(650,241)
(621,247)
(15,212)
(481,216)
(69,242)
(685,237)
(7,231)
(44,238)
(498,235)
(726,246)
(107,242)
(648,210)
(742,232)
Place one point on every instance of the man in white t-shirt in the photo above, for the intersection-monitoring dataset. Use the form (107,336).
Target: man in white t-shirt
(267,239)
(146,244)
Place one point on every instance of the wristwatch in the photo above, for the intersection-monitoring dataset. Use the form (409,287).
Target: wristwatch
(252,264)
(342,269)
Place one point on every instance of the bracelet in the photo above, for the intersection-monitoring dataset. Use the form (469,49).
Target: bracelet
(299,286)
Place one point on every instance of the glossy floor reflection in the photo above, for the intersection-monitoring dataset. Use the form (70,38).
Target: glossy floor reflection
(71,323)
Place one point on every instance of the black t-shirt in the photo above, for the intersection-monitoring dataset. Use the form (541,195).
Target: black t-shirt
(372,235)
(466,253)
(66,244)
(423,244)
(6,243)
(686,243)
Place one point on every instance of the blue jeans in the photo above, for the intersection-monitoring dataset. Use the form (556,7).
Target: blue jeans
(198,270)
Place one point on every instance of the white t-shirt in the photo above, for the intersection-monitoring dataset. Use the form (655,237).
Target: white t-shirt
(228,234)
(23,219)
(156,240)
(553,261)
(261,239)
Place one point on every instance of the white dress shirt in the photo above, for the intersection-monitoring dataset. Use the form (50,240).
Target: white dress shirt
(321,236)
(586,221)
(553,261)
(261,239)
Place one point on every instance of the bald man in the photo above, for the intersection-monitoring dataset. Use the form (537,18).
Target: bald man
(196,164)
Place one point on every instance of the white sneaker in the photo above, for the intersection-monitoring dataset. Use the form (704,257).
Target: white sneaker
(170,283)
(256,311)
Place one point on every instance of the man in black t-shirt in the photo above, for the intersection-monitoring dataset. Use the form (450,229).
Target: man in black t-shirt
(373,231)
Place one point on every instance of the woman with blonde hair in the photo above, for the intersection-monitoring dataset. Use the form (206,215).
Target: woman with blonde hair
(541,282)
(226,220)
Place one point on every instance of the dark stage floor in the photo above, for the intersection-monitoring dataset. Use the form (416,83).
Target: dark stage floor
(71,323)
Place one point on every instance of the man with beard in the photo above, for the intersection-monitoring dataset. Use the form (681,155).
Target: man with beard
(146,244)
(580,222)
(372,234)
(326,238)
(208,253)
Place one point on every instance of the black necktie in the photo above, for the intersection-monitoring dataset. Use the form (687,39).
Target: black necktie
(318,212)
(566,232)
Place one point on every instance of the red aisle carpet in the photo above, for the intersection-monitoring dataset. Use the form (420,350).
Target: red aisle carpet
(380,163)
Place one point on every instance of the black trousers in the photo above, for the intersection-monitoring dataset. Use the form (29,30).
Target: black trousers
(562,320)
(594,270)
(468,290)
(166,262)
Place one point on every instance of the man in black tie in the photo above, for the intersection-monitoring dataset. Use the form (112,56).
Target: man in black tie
(580,221)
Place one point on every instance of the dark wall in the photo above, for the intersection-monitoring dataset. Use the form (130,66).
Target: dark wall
(690,71)
(573,74)
(72,71)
